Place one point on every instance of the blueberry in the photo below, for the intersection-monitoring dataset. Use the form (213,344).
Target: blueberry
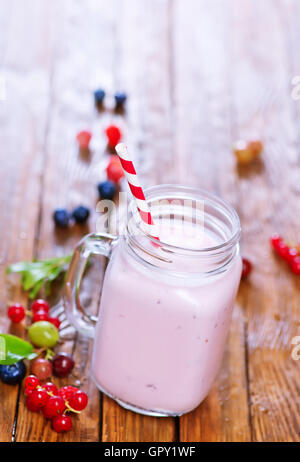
(99,96)
(61,218)
(107,189)
(81,214)
(13,374)
(120,98)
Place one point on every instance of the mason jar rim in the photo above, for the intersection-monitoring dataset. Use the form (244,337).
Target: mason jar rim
(179,191)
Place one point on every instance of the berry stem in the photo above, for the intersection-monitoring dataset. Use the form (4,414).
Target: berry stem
(70,409)
(40,351)
(49,354)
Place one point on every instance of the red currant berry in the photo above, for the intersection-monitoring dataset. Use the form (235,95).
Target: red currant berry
(39,397)
(282,249)
(32,407)
(42,368)
(275,241)
(295,265)
(62,364)
(114,135)
(246,269)
(83,138)
(114,169)
(67,391)
(28,391)
(291,254)
(78,401)
(62,423)
(40,315)
(40,305)
(16,313)
(32,382)
(54,407)
(55,322)
(51,388)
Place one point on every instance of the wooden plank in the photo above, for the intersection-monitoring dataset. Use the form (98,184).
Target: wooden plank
(226,71)
(202,121)
(269,198)
(23,122)
(70,180)
(142,69)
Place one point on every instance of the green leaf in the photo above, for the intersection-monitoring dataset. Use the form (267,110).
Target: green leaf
(36,289)
(30,278)
(14,349)
(39,273)
(18,267)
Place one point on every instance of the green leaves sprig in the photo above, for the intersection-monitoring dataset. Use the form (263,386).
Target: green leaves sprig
(38,274)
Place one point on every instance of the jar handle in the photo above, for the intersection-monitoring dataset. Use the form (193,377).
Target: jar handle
(92,244)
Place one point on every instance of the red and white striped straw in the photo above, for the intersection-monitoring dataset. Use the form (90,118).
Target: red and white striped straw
(136,190)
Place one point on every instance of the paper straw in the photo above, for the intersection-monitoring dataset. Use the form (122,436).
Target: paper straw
(136,190)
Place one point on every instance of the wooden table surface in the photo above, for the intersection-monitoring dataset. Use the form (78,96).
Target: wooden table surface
(199,75)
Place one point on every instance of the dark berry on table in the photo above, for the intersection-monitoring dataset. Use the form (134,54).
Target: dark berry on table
(62,364)
(39,397)
(55,321)
(39,305)
(62,423)
(107,190)
(246,269)
(99,96)
(32,382)
(114,169)
(114,135)
(42,368)
(16,313)
(83,138)
(120,98)
(13,374)
(81,214)
(67,391)
(78,400)
(40,315)
(32,407)
(61,218)
(54,407)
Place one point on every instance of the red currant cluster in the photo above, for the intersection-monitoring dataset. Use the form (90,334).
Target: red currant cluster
(39,312)
(289,253)
(54,403)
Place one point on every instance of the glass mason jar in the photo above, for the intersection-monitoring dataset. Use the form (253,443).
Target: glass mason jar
(165,308)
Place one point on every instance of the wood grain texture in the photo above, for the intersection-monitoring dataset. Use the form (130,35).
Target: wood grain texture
(269,202)
(70,176)
(23,124)
(147,129)
(202,115)
(198,78)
